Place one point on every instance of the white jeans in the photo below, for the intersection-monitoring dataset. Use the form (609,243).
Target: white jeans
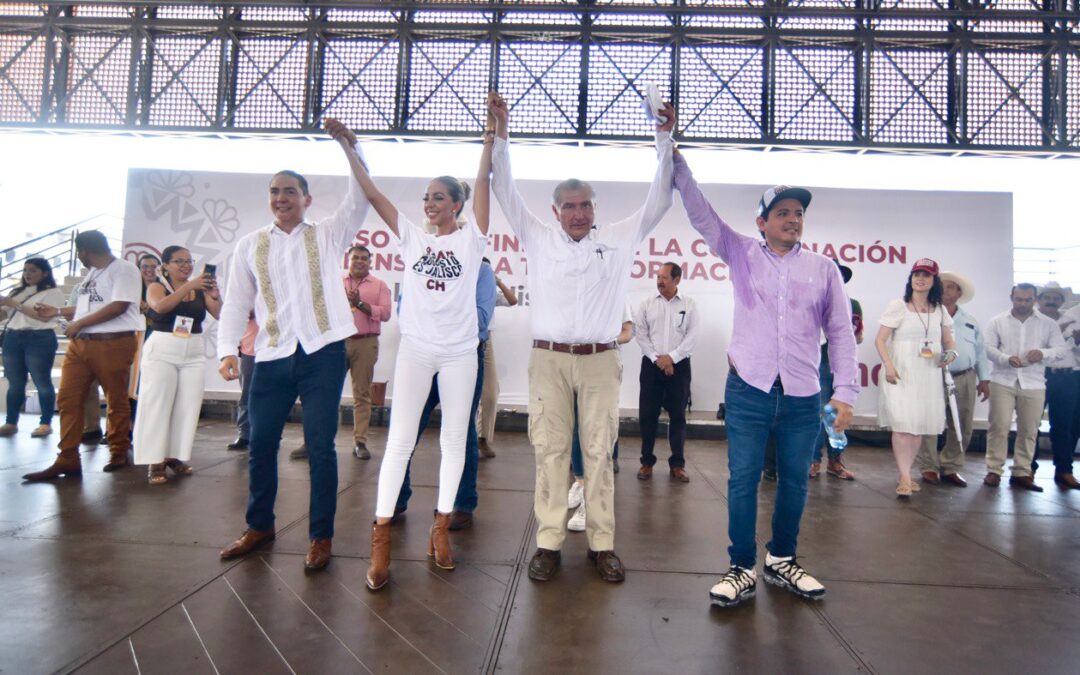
(170,397)
(413,371)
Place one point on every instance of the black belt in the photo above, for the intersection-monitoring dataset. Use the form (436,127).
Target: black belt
(965,371)
(105,336)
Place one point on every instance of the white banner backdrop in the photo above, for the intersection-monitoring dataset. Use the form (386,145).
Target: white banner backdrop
(878,233)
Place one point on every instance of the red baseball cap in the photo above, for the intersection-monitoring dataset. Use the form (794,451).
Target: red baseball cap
(925,265)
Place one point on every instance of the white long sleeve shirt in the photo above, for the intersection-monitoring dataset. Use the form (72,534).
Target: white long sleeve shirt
(664,326)
(577,288)
(297,296)
(1070,321)
(1007,336)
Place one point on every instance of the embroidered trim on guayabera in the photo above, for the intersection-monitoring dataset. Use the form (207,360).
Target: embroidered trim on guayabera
(262,270)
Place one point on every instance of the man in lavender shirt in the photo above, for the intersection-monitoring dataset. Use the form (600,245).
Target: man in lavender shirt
(785,296)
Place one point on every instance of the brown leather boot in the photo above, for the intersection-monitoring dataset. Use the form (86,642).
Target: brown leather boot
(379,571)
(439,544)
(67,464)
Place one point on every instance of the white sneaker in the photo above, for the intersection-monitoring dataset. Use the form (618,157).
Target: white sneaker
(737,584)
(577,493)
(577,521)
(788,574)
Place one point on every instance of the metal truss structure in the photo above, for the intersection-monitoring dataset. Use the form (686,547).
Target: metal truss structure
(953,76)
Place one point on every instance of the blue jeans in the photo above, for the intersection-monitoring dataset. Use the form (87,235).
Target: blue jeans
(467,497)
(317,379)
(29,352)
(752,415)
(577,463)
(825,373)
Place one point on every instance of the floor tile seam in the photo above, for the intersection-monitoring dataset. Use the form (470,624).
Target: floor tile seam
(494,649)
(1056,588)
(378,617)
(845,643)
(932,518)
(109,643)
(315,614)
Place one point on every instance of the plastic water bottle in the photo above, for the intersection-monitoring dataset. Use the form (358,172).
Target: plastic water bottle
(837,439)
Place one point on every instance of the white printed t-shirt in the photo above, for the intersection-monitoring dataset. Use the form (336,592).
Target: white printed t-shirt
(439,286)
(119,281)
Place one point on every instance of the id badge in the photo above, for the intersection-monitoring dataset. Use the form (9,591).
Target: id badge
(82,305)
(926,350)
(182,326)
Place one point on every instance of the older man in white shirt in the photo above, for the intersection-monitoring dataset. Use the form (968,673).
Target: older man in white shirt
(578,275)
(666,328)
(289,273)
(1021,343)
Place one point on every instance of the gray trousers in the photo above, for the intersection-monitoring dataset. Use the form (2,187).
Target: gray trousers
(951,458)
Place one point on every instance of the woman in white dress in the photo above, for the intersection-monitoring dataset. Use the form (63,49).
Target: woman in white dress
(915,342)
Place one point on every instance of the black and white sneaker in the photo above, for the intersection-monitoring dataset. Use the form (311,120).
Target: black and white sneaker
(788,574)
(737,585)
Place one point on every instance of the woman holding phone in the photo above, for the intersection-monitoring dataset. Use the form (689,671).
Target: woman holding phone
(173,361)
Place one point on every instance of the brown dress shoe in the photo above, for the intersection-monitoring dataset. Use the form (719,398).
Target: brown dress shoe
(954,478)
(67,464)
(379,571)
(318,556)
(1025,482)
(679,474)
(117,461)
(247,542)
(485,450)
(544,564)
(439,542)
(608,565)
(815,469)
(644,473)
(992,479)
(460,520)
(1067,481)
(930,477)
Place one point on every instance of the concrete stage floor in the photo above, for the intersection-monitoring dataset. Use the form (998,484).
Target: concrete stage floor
(110,575)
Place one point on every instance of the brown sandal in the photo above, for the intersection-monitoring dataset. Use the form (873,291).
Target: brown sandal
(178,467)
(157,474)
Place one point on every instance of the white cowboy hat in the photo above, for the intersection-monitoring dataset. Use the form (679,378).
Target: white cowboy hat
(967,289)
(1066,291)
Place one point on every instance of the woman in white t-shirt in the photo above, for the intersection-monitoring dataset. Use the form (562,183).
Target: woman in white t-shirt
(439,335)
(30,345)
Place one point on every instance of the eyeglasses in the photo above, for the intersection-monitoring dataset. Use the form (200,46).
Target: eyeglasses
(182,261)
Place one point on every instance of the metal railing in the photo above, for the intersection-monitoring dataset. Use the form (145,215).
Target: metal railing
(58,247)
(1042,264)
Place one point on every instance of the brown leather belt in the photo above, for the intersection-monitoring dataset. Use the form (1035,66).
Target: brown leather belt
(105,336)
(576,348)
(965,371)
(365,335)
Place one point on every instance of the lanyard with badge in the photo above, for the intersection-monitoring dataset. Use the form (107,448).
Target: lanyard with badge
(182,325)
(926,348)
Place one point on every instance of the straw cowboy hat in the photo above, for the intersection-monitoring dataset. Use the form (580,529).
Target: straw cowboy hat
(967,289)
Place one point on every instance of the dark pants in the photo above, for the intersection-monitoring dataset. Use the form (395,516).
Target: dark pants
(243,418)
(670,393)
(29,352)
(752,416)
(317,379)
(467,497)
(1063,399)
